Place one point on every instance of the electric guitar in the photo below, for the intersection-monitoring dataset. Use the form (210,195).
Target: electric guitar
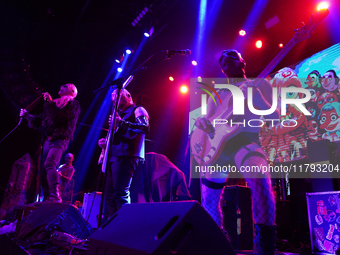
(206,147)
(104,152)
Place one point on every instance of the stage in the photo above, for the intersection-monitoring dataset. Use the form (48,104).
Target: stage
(156,228)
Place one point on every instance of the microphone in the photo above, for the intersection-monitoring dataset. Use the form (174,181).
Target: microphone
(178,52)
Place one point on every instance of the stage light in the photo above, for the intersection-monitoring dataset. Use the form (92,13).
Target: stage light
(280,45)
(149,33)
(242,33)
(199,79)
(133,23)
(143,12)
(117,60)
(146,9)
(171,78)
(119,69)
(194,63)
(138,18)
(128,51)
(258,44)
(323,6)
(184,89)
(141,15)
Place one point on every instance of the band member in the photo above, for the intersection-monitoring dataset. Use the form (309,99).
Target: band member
(65,172)
(242,150)
(127,149)
(58,122)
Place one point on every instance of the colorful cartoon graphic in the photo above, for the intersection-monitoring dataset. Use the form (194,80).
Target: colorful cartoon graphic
(313,80)
(288,138)
(323,123)
(330,80)
(330,121)
(325,98)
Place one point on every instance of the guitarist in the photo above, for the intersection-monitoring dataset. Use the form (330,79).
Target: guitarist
(242,150)
(127,150)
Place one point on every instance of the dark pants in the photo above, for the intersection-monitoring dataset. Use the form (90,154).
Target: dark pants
(52,152)
(118,182)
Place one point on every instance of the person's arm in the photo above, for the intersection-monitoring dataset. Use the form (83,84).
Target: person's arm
(69,172)
(33,121)
(141,126)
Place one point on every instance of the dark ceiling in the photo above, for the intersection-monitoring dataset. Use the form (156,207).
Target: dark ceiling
(46,43)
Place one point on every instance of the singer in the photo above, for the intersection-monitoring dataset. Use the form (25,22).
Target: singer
(58,123)
(127,150)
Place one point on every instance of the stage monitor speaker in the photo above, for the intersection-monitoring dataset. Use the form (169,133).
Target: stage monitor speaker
(43,221)
(237,214)
(8,246)
(180,228)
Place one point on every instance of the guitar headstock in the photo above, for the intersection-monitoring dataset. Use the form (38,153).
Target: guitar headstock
(308,28)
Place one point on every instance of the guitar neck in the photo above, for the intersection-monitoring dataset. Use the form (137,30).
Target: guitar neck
(267,70)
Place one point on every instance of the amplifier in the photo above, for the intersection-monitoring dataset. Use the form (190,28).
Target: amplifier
(91,200)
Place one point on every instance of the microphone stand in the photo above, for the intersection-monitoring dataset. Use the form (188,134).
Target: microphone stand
(119,84)
(109,140)
(18,125)
(20,120)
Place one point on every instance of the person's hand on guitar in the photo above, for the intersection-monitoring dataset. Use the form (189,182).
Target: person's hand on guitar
(102,143)
(203,124)
(118,120)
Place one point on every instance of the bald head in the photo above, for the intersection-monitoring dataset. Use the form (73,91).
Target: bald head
(69,157)
(68,89)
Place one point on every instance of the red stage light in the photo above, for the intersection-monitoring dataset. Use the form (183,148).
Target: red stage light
(171,78)
(280,45)
(323,6)
(194,63)
(258,44)
(184,89)
(242,33)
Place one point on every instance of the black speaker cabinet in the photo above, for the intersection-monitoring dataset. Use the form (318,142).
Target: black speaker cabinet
(43,221)
(237,218)
(322,151)
(160,228)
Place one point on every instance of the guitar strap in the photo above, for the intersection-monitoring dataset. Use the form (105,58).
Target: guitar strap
(251,154)
(213,185)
